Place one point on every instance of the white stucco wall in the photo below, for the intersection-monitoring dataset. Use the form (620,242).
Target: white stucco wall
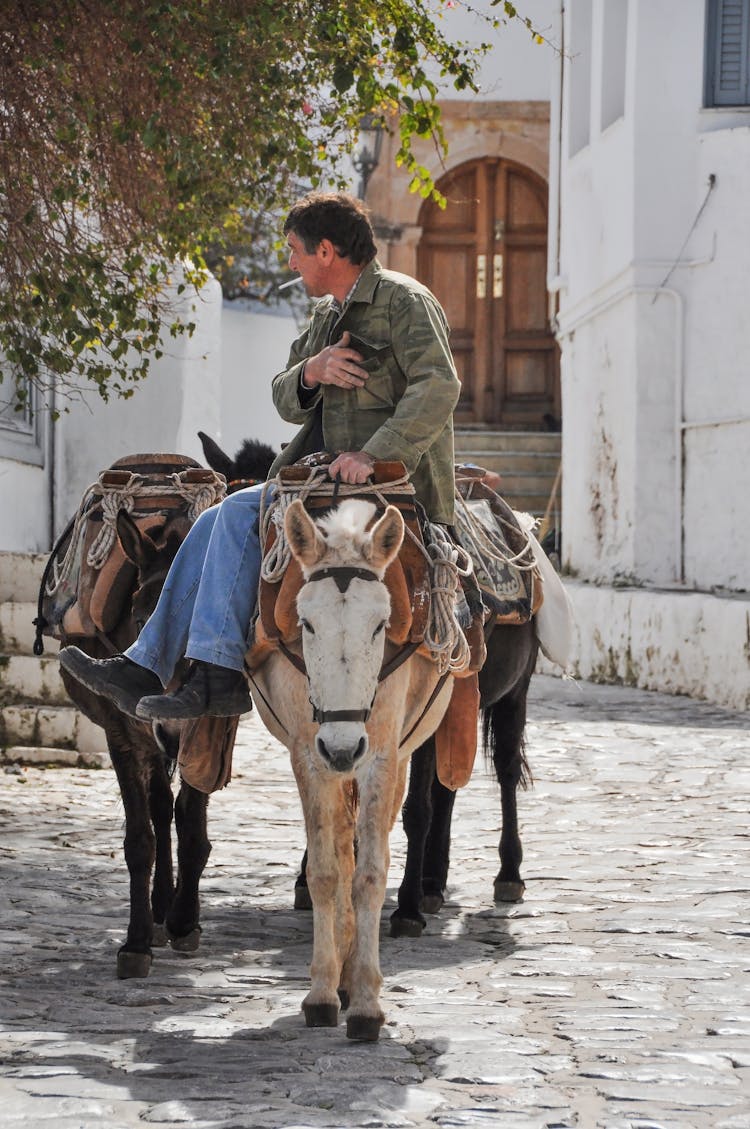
(655,340)
(24,507)
(255,346)
(675,642)
(654,348)
(181,395)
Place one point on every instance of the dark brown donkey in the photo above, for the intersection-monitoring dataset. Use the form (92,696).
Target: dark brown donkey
(143,755)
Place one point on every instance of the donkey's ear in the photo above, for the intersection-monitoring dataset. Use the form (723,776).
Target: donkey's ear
(386,537)
(304,538)
(137,546)
(216,458)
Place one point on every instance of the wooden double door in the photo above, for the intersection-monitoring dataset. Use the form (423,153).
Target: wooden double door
(485,258)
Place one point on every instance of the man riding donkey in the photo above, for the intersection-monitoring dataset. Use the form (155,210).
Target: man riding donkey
(371,378)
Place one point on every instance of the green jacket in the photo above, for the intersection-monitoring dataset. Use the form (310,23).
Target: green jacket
(405,410)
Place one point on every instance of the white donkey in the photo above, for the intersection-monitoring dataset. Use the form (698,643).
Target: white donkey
(350,728)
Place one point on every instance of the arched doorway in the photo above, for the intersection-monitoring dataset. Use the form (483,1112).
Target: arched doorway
(485,258)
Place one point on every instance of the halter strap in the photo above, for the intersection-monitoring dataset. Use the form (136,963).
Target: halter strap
(322,716)
(342,575)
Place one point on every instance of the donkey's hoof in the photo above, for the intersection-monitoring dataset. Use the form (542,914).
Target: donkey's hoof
(131,966)
(160,937)
(509,891)
(188,942)
(364,1028)
(302,899)
(432,903)
(406,926)
(343,996)
(321,1015)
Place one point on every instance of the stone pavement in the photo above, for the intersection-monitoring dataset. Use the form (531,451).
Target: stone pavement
(617,995)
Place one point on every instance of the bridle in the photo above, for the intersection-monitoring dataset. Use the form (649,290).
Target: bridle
(342,576)
(242,483)
(157,578)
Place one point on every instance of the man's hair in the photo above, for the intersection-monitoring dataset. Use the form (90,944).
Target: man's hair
(336,216)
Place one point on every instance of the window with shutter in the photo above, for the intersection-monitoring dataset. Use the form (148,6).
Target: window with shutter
(728,53)
(21,433)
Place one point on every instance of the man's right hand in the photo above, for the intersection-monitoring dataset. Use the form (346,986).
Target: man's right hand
(336,364)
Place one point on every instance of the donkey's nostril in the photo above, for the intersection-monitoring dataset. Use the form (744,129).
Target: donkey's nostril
(361,749)
(323,750)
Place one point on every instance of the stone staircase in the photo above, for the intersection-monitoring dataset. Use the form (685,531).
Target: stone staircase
(38,722)
(527,462)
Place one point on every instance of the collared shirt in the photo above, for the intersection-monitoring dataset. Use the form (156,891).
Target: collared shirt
(405,410)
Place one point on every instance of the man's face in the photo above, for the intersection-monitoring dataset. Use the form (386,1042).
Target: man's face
(310,266)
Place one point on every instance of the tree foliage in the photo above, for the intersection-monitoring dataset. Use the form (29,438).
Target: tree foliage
(137,134)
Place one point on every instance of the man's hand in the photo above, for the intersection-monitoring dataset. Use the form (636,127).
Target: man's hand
(336,364)
(353,466)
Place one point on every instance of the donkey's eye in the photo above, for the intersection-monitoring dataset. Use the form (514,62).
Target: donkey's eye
(378,629)
(307,626)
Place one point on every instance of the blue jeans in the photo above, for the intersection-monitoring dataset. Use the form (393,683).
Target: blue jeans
(210,592)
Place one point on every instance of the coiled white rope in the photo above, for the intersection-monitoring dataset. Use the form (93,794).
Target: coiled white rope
(476,539)
(444,637)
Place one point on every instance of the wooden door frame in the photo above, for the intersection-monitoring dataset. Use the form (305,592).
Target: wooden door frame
(487,333)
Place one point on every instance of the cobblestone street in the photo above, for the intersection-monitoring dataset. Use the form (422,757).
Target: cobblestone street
(616,995)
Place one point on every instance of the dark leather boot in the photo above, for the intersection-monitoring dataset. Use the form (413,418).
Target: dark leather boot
(119,679)
(210,691)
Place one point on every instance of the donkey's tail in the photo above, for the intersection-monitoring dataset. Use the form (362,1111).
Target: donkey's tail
(503,725)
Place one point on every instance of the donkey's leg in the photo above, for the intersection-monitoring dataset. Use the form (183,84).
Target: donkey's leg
(193,849)
(437,848)
(134,956)
(365,1017)
(505,722)
(344,909)
(162,809)
(406,919)
(322,803)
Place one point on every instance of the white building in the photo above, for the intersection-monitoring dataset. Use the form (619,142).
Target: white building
(651,151)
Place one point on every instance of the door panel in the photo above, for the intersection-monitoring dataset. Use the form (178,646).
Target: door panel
(485,259)
(526,279)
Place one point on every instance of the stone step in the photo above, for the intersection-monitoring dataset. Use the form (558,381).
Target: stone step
(524,483)
(58,727)
(527,462)
(513,462)
(51,757)
(467,442)
(20,576)
(535,504)
(17,630)
(32,679)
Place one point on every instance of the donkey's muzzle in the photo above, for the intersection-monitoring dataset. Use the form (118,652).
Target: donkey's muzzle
(341,757)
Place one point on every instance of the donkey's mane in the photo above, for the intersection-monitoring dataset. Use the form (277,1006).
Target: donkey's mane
(345,528)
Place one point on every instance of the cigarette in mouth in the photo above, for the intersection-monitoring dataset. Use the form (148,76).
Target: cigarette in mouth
(291,282)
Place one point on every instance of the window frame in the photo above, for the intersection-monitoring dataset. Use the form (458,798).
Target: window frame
(739,95)
(22,433)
